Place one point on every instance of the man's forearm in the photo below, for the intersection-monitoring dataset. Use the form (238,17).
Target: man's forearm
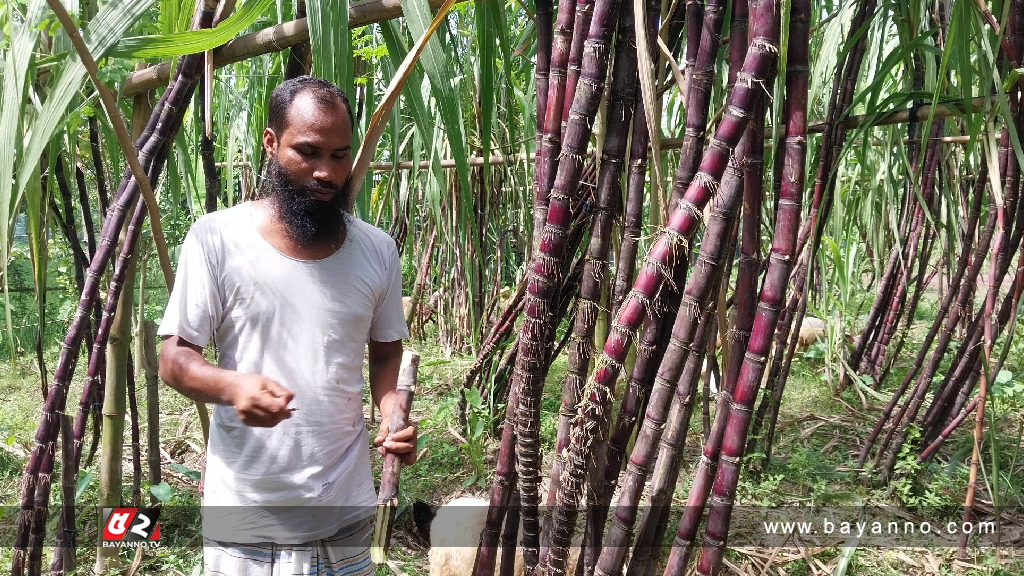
(188,372)
(384,378)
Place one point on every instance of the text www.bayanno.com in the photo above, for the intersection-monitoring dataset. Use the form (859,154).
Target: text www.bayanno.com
(860,529)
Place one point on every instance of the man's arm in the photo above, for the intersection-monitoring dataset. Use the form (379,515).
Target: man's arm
(385,361)
(259,401)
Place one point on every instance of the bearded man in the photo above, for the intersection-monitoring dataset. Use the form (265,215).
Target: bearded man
(291,287)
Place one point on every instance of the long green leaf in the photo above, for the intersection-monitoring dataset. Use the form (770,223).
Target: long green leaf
(435,63)
(12,107)
(330,41)
(192,41)
(413,93)
(109,25)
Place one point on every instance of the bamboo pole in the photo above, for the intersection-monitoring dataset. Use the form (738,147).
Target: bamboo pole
(152,405)
(118,347)
(273,39)
(666,144)
(123,139)
(67,475)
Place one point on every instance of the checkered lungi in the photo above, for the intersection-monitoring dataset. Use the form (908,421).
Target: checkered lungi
(346,553)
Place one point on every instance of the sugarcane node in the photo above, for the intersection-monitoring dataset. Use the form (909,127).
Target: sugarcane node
(712,542)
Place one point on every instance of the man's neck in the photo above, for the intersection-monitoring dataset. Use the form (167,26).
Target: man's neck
(273,230)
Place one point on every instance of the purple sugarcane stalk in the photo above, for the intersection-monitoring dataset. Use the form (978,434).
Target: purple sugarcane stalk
(606,210)
(944,306)
(42,492)
(697,301)
(584,13)
(928,452)
(979,421)
(551,139)
(671,359)
(636,179)
(894,301)
(541,75)
(698,97)
(908,412)
(654,523)
(547,266)
(501,490)
(772,296)
(97,166)
(694,31)
(658,266)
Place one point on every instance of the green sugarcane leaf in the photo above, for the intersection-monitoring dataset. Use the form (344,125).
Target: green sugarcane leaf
(442,86)
(12,108)
(413,93)
(109,25)
(84,481)
(192,41)
(330,42)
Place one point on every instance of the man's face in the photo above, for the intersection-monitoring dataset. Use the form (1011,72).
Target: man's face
(309,164)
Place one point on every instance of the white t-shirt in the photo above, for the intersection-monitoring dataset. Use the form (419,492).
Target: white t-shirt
(304,324)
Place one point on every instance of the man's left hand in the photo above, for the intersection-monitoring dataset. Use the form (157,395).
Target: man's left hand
(402,442)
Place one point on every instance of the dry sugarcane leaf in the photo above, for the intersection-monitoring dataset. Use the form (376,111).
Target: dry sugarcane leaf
(673,66)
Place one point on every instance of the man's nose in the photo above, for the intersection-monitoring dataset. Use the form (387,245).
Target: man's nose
(323,171)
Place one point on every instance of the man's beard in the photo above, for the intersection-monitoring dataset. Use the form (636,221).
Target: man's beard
(306,219)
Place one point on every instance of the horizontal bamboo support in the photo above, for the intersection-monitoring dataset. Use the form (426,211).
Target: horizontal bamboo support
(273,39)
(666,144)
(901,116)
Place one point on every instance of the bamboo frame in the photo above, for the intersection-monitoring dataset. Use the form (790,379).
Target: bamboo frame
(273,39)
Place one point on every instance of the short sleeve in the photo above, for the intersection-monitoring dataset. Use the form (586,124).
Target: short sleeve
(388,316)
(194,308)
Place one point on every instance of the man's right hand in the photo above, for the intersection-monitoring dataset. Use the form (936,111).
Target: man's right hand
(260,401)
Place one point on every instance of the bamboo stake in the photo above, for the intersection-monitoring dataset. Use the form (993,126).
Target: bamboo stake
(133,414)
(152,405)
(123,139)
(65,552)
(115,396)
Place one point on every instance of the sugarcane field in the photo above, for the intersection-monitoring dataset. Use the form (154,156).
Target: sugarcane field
(512,287)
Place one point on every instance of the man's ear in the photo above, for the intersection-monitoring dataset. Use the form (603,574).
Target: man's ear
(269,141)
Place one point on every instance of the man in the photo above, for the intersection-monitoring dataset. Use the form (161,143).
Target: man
(291,287)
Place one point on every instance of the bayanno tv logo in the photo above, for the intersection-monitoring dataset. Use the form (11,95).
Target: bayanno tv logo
(131,528)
